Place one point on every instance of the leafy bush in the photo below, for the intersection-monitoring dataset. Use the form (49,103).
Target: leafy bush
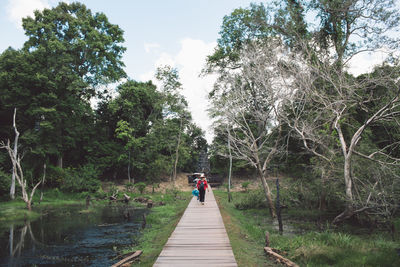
(5,183)
(154,186)
(100,194)
(129,186)
(112,189)
(252,199)
(245,185)
(83,179)
(140,186)
(55,176)
(175,192)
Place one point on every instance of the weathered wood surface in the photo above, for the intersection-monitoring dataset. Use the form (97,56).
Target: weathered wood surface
(280,258)
(128,259)
(199,238)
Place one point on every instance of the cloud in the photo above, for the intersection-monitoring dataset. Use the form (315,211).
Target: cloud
(190,61)
(150,46)
(164,59)
(18,9)
(365,62)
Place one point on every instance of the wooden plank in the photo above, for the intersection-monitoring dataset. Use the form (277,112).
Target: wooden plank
(199,239)
(128,259)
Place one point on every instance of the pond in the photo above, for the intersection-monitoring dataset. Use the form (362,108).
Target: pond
(72,236)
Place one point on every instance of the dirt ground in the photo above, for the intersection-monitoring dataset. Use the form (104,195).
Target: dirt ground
(182,184)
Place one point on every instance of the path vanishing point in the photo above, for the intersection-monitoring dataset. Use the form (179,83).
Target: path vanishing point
(199,239)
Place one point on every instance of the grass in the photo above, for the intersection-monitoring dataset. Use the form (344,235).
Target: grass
(330,247)
(245,233)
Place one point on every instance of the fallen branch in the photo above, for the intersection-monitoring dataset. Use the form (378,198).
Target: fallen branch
(126,198)
(279,258)
(128,259)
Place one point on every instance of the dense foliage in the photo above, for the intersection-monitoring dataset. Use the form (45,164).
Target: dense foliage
(60,82)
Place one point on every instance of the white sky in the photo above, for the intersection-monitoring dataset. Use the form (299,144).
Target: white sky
(180,33)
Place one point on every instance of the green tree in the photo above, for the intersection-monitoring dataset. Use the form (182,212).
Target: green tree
(175,108)
(76,51)
(135,109)
(350,27)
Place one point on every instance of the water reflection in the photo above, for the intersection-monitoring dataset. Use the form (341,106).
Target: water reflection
(70,237)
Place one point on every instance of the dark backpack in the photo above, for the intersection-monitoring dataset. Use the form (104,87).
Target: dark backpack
(201,187)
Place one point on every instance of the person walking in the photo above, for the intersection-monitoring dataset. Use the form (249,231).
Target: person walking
(202,186)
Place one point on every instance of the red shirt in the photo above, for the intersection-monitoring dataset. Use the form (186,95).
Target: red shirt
(205,184)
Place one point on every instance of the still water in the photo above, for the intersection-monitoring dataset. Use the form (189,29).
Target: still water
(70,236)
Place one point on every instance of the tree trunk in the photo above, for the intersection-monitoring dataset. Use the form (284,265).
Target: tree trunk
(177,151)
(278,208)
(349,210)
(28,205)
(230,166)
(43,179)
(129,165)
(60,161)
(347,179)
(12,188)
(268,196)
(322,198)
(346,214)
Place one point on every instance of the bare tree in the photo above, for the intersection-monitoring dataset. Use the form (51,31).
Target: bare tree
(17,169)
(322,114)
(250,101)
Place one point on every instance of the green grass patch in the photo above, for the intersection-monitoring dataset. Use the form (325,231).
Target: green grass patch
(331,247)
(244,232)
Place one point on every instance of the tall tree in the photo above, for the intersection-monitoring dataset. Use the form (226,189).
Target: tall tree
(76,51)
(251,102)
(135,109)
(350,27)
(175,106)
(242,26)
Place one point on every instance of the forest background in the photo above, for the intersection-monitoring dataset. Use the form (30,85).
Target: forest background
(284,99)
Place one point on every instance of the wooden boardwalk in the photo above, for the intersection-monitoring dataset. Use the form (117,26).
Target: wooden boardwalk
(199,239)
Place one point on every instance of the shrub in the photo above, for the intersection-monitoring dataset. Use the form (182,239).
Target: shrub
(129,186)
(154,186)
(252,199)
(112,189)
(55,176)
(5,183)
(140,186)
(245,185)
(100,194)
(83,179)
(175,192)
